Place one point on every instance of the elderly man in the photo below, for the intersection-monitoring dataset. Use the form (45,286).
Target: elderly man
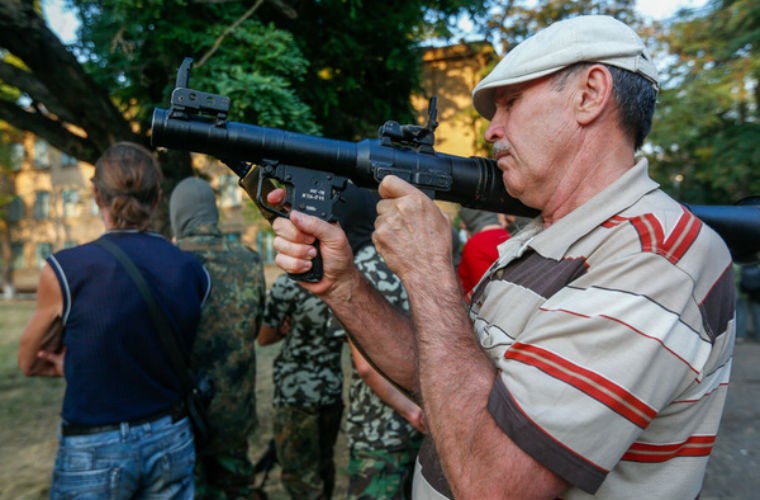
(604,331)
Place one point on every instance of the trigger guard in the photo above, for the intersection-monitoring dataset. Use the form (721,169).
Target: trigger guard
(264,206)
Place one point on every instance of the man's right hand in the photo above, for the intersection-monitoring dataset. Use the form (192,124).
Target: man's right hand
(295,250)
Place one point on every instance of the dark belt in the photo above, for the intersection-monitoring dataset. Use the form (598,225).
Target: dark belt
(176,411)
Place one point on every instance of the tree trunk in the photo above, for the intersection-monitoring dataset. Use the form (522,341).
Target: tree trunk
(55,72)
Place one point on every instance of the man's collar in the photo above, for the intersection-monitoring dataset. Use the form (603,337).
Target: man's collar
(554,241)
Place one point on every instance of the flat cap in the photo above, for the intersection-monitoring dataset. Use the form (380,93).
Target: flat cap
(601,39)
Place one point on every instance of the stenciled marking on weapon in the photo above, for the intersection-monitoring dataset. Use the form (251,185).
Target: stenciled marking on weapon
(315,195)
(312,199)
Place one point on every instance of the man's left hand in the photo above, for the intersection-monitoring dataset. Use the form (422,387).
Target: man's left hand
(411,232)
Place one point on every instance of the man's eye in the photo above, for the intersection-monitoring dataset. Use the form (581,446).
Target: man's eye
(507,102)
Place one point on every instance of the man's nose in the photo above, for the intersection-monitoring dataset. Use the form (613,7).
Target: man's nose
(495,129)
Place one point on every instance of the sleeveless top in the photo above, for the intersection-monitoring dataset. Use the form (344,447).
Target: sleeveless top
(115,366)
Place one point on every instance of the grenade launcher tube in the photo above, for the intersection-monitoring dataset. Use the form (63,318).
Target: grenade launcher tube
(474,182)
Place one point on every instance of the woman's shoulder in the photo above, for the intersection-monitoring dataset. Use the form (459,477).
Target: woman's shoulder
(73,253)
(153,250)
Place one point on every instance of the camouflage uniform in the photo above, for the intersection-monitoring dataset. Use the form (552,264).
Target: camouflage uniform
(224,348)
(308,382)
(382,444)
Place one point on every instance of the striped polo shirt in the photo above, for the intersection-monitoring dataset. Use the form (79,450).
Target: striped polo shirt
(613,330)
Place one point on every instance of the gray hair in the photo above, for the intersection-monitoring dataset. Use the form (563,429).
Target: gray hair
(635,96)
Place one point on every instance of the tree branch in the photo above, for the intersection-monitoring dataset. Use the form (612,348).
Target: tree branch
(29,84)
(287,10)
(24,33)
(52,131)
(229,29)
(284,8)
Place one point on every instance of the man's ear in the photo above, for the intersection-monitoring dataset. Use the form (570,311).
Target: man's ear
(594,93)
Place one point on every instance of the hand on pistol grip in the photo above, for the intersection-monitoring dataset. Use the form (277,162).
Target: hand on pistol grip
(308,191)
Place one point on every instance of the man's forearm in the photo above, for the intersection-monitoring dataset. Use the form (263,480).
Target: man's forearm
(381,332)
(456,378)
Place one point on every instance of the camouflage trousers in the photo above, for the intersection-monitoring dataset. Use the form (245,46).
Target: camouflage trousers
(305,442)
(225,475)
(382,474)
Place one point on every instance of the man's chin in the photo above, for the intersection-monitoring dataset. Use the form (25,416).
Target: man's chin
(511,190)
(518,194)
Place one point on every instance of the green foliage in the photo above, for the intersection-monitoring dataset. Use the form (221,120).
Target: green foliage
(509,22)
(264,93)
(135,47)
(342,66)
(364,57)
(706,128)
(8,138)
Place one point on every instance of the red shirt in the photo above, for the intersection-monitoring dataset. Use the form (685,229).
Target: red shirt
(478,253)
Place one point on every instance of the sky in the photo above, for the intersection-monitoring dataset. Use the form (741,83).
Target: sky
(660,9)
(65,24)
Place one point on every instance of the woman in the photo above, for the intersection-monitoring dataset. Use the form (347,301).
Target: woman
(123,430)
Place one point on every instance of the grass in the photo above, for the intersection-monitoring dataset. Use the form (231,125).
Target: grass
(30,408)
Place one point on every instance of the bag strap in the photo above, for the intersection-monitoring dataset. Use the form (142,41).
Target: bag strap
(168,339)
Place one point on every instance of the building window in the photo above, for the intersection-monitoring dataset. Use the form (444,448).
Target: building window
(41,154)
(68,161)
(17,249)
(17,156)
(229,191)
(71,206)
(16,209)
(43,252)
(232,237)
(41,205)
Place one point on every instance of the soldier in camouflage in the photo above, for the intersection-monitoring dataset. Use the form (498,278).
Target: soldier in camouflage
(308,383)
(383,425)
(225,345)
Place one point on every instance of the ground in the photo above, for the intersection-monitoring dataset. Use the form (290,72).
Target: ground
(734,468)
(29,410)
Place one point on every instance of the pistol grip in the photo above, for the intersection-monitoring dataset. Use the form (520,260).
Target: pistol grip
(314,274)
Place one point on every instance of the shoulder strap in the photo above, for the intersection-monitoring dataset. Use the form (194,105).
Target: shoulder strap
(166,335)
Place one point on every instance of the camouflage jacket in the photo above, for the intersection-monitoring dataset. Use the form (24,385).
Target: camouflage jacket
(370,423)
(307,372)
(225,345)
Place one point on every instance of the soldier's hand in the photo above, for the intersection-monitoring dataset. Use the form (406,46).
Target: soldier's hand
(284,327)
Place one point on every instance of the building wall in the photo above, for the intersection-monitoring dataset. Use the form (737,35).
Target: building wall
(449,73)
(70,217)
